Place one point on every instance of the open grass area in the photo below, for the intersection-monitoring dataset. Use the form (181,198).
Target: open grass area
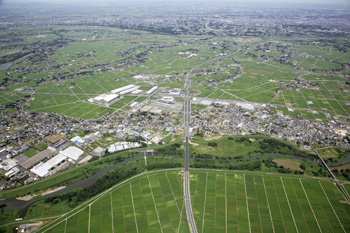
(225,148)
(221,202)
(29,153)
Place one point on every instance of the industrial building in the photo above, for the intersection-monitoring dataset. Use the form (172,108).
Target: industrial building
(153,89)
(110,98)
(168,98)
(12,172)
(72,152)
(174,93)
(78,141)
(125,89)
(43,169)
(246,106)
(99,151)
(38,157)
(129,90)
(106,99)
(122,146)
(141,77)
(7,164)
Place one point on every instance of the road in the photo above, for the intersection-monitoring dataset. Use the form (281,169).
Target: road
(187,120)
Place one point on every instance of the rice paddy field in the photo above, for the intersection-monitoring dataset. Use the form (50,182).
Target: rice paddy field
(221,201)
(76,72)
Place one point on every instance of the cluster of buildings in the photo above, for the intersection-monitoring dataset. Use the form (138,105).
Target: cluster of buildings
(81,141)
(241,118)
(119,146)
(57,162)
(26,169)
(153,120)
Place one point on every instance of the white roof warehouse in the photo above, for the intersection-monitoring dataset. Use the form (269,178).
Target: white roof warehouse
(43,169)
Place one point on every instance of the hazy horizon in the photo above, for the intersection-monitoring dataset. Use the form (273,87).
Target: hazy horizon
(101,2)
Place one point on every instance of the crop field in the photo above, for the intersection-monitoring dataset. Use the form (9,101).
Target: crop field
(74,73)
(221,201)
(9,98)
(68,97)
(152,203)
(266,203)
(78,109)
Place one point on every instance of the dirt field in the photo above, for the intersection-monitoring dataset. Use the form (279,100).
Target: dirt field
(55,138)
(346,166)
(288,164)
(31,227)
(209,138)
(252,139)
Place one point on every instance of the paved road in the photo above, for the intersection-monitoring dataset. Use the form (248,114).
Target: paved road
(187,119)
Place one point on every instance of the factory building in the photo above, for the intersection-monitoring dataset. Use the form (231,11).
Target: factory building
(125,89)
(153,89)
(43,169)
(129,90)
(72,152)
(106,99)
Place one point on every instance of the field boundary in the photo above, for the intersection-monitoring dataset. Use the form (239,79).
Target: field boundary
(111,211)
(290,208)
(268,204)
(133,207)
(205,200)
(335,213)
(307,198)
(154,203)
(225,203)
(247,203)
(166,175)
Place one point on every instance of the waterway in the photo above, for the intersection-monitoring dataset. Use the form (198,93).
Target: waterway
(13,204)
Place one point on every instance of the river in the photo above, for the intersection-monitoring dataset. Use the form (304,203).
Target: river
(13,204)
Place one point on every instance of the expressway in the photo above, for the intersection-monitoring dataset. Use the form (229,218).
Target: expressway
(187,119)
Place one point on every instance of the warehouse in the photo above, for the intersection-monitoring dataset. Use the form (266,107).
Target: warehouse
(121,89)
(106,99)
(153,89)
(43,169)
(72,152)
(129,90)
(38,157)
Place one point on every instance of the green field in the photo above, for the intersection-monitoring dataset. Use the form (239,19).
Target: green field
(79,66)
(221,201)
(151,203)
(266,203)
